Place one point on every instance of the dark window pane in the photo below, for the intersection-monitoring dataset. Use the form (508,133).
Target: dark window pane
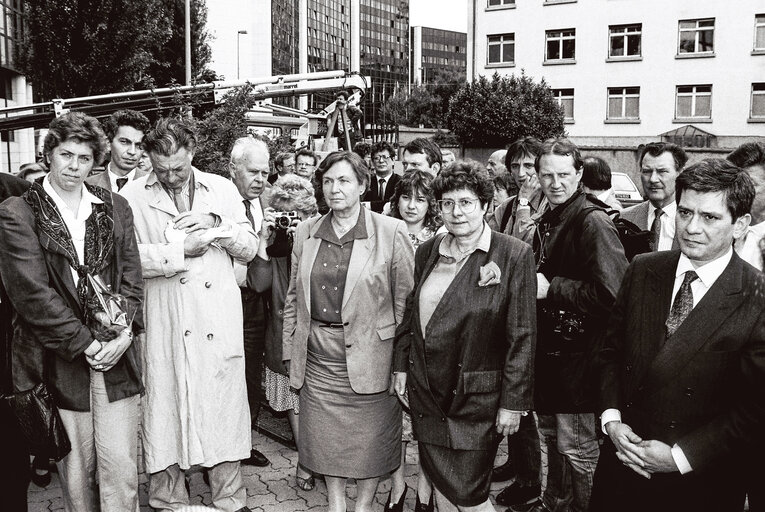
(687,42)
(553,50)
(508,52)
(706,40)
(617,46)
(633,45)
(568,48)
(494,53)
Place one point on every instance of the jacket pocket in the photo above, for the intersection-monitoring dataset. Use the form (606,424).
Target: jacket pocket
(387,332)
(481,382)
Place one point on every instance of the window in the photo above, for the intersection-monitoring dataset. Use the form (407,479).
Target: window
(623,103)
(759,32)
(502,49)
(560,44)
(694,102)
(624,40)
(696,36)
(499,3)
(565,98)
(758,102)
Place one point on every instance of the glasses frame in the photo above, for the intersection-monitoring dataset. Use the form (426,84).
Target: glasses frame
(470,208)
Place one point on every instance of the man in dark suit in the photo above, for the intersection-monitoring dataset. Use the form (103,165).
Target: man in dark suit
(683,364)
(125,130)
(384,180)
(660,164)
(249,172)
(14,485)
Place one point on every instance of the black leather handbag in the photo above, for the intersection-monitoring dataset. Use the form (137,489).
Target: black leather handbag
(40,422)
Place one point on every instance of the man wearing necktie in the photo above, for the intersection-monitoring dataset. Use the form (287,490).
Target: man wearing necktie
(249,170)
(384,180)
(660,164)
(682,389)
(125,130)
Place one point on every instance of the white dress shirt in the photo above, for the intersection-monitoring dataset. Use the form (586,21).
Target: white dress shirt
(667,236)
(75,221)
(748,246)
(114,177)
(708,274)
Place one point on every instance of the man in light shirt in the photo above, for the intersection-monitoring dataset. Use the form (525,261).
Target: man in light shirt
(660,164)
(125,130)
(751,158)
(683,363)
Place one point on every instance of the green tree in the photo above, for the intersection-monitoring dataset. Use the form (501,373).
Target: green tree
(493,112)
(426,104)
(85,47)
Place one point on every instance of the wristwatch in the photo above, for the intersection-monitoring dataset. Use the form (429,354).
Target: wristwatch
(522,201)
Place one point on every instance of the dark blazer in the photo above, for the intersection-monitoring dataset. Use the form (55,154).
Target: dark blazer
(377,203)
(638,215)
(496,329)
(273,275)
(102,178)
(49,321)
(703,388)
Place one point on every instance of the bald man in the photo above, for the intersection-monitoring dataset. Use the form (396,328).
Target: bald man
(496,163)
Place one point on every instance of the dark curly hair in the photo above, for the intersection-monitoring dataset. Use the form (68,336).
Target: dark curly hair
(125,117)
(415,182)
(79,127)
(467,174)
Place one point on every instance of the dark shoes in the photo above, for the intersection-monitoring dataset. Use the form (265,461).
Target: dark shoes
(398,506)
(536,506)
(421,507)
(503,473)
(256,459)
(40,472)
(516,495)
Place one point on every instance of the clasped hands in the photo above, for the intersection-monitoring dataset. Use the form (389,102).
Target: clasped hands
(643,457)
(197,226)
(102,356)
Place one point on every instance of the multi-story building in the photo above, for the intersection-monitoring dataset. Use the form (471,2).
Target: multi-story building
(275,37)
(631,71)
(435,50)
(17,147)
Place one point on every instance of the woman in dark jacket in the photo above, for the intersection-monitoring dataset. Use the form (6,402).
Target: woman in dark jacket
(473,313)
(270,270)
(56,237)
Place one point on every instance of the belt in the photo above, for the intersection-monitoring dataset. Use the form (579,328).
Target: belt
(331,325)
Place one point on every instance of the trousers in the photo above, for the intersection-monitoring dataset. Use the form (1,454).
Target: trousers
(167,489)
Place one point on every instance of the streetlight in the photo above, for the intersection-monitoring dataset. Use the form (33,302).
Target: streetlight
(239,33)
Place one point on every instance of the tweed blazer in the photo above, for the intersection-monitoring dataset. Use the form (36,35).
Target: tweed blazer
(378,280)
(496,329)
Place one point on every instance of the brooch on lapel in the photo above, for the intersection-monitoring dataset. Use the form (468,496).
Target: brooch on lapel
(489,274)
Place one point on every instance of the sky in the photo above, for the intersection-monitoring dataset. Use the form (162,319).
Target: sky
(444,14)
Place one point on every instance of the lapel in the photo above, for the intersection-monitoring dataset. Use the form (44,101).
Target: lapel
(362,251)
(430,263)
(659,282)
(162,201)
(59,263)
(703,321)
(308,257)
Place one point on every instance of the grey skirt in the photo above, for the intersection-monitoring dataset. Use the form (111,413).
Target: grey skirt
(343,433)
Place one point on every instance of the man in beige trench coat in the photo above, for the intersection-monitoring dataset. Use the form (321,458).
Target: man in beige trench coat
(189,226)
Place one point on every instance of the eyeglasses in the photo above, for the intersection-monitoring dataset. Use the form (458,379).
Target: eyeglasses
(381,158)
(466,205)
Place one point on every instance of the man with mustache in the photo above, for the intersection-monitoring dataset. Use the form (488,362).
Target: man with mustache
(125,130)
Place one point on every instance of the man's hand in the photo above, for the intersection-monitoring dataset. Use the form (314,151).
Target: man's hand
(195,245)
(625,441)
(529,186)
(93,348)
(399,386)
(507,422)
(543,285)
(194,221)
(111,352)
(657,457)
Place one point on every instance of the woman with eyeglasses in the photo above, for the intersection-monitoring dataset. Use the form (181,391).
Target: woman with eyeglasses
(351,273)
(473,312)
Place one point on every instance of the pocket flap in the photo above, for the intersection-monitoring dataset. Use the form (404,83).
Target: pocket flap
(387,332)
(481,382)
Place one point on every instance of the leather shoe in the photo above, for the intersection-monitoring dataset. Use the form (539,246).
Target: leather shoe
(503,473)
(534,506)
(41,472)
(516,494)
(421,507)
(256,459)
(398,506)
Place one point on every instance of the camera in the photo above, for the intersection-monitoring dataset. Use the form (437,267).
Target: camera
(283,220)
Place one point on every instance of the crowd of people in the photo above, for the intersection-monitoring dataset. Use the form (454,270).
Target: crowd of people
(452,304)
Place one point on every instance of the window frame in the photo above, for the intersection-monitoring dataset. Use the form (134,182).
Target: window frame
(503,4)
(560,39)
(757,93)
(560,97)
(696,30)
(624,93)
(759,24)
(694,94)
(625,37)
(501,43)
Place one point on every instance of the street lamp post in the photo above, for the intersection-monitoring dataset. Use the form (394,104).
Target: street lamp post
(239,33)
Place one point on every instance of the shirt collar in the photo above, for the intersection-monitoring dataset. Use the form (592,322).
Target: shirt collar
(670,209)
(114,176)
(200,179)
(604,195)
(757,229)
(86,203)
(708,272)
(449,249)
(326,232)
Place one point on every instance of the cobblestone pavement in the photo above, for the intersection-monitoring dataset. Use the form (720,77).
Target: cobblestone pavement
(269,489)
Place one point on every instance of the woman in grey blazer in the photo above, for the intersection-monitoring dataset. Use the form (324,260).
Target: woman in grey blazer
(473,312)
(351,273)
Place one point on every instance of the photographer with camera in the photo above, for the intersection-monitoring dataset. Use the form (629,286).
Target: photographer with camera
(580,265)
(291,201)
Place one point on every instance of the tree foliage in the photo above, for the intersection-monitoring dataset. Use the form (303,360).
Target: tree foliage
(493,112)
(86,47)
(427,104)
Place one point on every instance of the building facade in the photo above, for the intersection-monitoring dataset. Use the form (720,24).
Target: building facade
(632,71)
(17,147)
(435,51)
